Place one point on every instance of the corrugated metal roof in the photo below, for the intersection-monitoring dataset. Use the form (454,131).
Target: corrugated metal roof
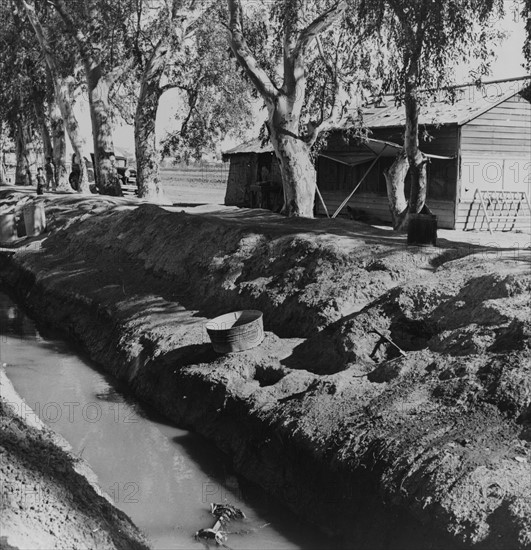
(470,102)
(251,146)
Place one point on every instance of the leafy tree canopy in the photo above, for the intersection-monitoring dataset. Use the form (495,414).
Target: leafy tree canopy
(23,81)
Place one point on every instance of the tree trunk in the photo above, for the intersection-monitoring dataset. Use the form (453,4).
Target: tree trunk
(146,145)
(285,104)
(59,148)
(411,158)
(63,97)
(21,172)
(38,105)
(3,172)
(395,179)
(26,154)
(298,172)
(105,169)
(98,86)
(4,177)
(45,133)
(417,160)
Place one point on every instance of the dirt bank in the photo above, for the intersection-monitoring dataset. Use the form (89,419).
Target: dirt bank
(427,450)
(50,498)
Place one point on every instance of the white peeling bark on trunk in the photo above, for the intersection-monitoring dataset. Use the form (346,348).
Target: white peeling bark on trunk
(412,159)
(417,160)
(64,101)
(63,97)
(59,147)
(298,173)
(395,178)
(285,104)
(3,173)
(293,153)
(98,86)
(146,145)
(107,179)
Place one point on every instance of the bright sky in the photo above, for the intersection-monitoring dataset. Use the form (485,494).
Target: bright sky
(509,64)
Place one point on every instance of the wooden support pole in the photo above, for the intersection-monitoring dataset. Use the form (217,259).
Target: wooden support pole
(484,208)
(322,201)
(334,215)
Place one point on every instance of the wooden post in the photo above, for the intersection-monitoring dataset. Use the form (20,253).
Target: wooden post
(484,208)
(322,201)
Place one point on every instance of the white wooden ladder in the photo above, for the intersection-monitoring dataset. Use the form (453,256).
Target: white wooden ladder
(502,209)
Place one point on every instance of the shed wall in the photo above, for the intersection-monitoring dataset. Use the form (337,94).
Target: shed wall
(495,155)
(378,207)
(242,173)
(337,180)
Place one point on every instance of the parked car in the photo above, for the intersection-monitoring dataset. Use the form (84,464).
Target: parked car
(125,171)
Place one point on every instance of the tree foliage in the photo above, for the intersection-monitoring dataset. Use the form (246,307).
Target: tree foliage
(313,85)
(22,90)
(212,101)
(526,16)
(23,81)
(430,38)
(433,37)
(215,100)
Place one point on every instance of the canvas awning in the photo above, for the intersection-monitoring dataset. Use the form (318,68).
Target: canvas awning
(366,150)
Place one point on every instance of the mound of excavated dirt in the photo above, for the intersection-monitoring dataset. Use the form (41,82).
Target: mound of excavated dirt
(428,447)
(49,497)
(301,279)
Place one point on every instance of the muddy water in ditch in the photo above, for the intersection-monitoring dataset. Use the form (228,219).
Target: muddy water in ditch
(164,478)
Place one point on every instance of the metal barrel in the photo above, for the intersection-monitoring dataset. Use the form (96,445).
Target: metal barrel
(236,331)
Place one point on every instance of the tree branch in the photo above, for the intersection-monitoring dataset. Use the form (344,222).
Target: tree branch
(167,87)
(74,30)
(238,44)
(336,114)
(51,62)
(403,18)
(112,76)
(326,62)
(317,26)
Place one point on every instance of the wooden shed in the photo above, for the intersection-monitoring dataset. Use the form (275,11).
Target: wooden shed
(254,178)
(479,173)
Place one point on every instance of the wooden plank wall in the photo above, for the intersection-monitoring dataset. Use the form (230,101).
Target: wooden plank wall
(378,206)
(504,131)
(336,180)
(242,173)
(495,155)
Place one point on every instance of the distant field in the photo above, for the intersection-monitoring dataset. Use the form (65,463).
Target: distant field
(196,184)
(192,184)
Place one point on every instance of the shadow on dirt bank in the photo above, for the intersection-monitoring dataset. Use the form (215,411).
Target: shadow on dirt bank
(303,274)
